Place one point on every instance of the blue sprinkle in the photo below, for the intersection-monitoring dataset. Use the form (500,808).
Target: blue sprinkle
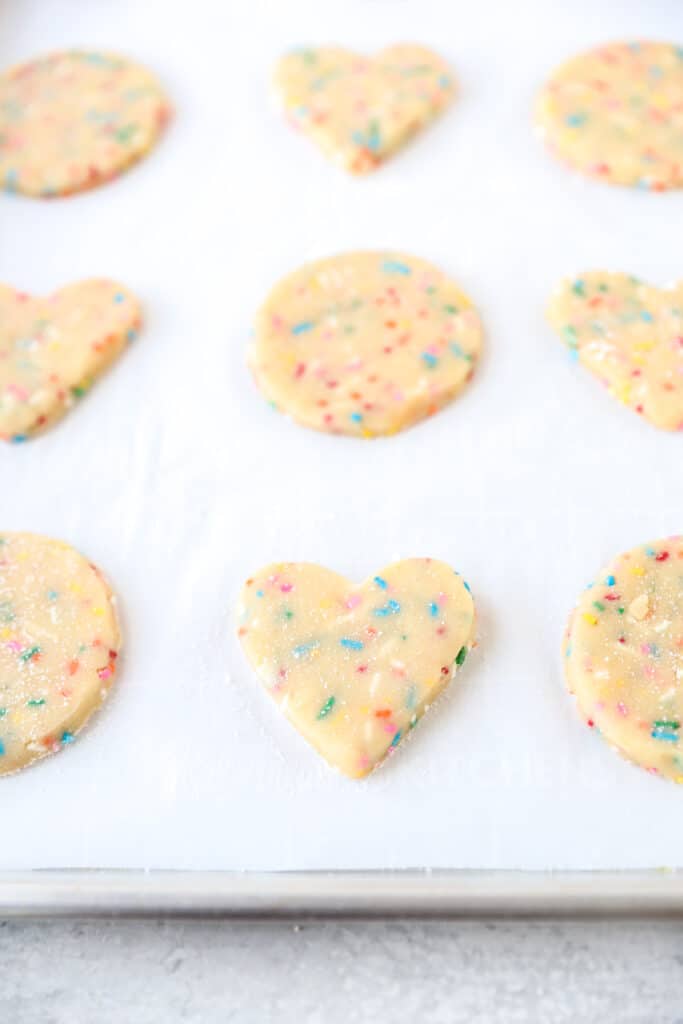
(396,739)
(11,180)
(68,737)
(433,609)
(2,748)
(353,645)
(610,581)
(647,317)
(467,586)
(52,595)
(19,438)
(304,649)
(259,593)
(429,359)
(355,417)
(444,82)
(411,697)
(457,350)
(305,325)
(131,334)
(650,552)
(380,582)
(119,297)
(575,120)
(668,737)
(390,608)
(394,267)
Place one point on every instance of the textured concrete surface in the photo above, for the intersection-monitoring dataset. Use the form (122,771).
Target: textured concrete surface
(153,972)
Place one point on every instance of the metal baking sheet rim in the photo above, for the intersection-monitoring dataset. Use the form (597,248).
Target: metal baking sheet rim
(472,894)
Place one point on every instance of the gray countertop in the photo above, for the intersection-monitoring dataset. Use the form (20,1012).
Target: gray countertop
(155,971)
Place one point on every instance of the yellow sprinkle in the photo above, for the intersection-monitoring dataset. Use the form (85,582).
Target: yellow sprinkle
(643,346)
(98,611)
(678,779)
(590,619)
(637,570)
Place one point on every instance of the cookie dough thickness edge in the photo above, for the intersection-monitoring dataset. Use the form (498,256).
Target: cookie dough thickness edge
(60,639)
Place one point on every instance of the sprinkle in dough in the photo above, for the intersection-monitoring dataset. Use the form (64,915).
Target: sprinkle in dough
(365,343)
(360,110)
(51,350)
(624,655)
(616,113)
(630,335)
(72,120)
(59,641)
(354,667)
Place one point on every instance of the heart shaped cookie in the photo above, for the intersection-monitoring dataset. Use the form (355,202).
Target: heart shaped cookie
(59,642)
(365,343)
(360,110)
(624,655)
(631,336)
(74,119)
(354,667)
(616,113)
(51,350)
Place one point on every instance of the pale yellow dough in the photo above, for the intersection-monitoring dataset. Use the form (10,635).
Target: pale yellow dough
(365,343)
(51,350)
(616,113)
(630,335)
(358,109)
(354,667)
(624,655)
(59,641)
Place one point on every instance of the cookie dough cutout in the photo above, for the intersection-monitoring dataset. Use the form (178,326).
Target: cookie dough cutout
(51,350)
(72,120)
(361,110)
(630,335)
(354,667)
(616,114)
(59,641)
(624,655)
(365,343)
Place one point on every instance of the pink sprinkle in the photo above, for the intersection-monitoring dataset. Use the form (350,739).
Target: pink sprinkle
(286,587)
(353,601)
(104,673)
(622,709)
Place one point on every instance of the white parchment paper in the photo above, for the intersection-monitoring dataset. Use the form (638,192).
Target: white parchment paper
(178,479)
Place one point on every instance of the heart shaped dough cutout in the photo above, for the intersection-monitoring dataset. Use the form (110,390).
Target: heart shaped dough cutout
(74,119)
(354,667)
(59,641)
(51,350)
(616,113)
(624,655)
(365,343)
(358,109)
(630,335)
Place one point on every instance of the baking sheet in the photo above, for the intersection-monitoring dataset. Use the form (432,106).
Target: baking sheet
(178,479)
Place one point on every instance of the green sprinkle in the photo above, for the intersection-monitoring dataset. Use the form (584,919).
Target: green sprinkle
(326,708)
(288,613)
(450,309)
(30,653)
(667,725)
(79,391)
(621,610)
(36,703)
(599,605)
(125,133)
(3,712)
(462,654)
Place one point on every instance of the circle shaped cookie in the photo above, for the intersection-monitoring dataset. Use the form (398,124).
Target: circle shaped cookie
(616,113)
(365,343)
(624,655)
(59,640)
(72,120)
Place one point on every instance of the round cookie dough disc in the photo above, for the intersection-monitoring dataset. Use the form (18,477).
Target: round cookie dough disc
(616,113)
(59,640)
(624,655)
(365,343)
(74,119)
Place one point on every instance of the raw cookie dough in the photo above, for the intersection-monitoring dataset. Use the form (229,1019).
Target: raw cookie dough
(631,336)
(365,343)
(72,120)
(51,350)
(360,110)
(616,113)
(354,666)
(59,640)
(624,655)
